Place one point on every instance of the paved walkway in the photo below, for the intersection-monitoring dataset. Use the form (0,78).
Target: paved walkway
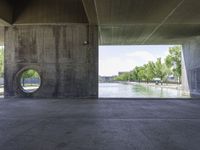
(99,124)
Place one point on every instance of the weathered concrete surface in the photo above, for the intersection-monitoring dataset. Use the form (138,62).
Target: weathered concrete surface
(120,22)
(66,57)
(6,12)
(147,21)
(184,76)
(99,125)
(191,66)
(1,36)
(49,11)
(90,11)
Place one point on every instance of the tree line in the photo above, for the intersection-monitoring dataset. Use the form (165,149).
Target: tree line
(158,69)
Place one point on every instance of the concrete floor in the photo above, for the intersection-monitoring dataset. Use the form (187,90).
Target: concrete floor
(99,125)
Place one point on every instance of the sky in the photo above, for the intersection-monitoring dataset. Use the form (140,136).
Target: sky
(114,59)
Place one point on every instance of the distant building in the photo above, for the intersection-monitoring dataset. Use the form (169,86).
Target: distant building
(106,78)
(120,73)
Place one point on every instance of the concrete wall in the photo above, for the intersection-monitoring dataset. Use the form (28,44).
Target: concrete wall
(191,64)
(66,57)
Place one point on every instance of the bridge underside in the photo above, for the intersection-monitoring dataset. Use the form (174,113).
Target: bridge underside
(60,39)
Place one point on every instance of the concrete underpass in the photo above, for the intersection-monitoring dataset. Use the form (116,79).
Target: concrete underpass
(60,39)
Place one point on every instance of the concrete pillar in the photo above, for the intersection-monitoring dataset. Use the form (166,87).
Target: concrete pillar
(66,57)
(191,67)
(1,36)
(184,79)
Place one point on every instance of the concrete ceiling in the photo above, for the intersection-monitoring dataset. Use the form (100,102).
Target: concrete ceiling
(120,21)
(147,21)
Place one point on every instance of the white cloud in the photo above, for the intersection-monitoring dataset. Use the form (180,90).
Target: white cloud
(113,65)
(142,56)
(125,60)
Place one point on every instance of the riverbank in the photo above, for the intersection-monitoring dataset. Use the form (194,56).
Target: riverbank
(164,85)
(172,86)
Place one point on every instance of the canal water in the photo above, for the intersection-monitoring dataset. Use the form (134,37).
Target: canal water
(122,90)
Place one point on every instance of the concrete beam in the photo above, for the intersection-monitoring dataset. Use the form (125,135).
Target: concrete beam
(6,12)
(49,11)
(90,9)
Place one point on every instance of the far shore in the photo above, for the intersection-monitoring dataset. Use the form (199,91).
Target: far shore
(163,85)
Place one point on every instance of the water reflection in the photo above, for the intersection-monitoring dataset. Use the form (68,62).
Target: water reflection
(137,90)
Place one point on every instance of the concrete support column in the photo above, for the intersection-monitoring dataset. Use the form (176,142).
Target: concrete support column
(185,85)
(191,67)
(1,36)
(66,57)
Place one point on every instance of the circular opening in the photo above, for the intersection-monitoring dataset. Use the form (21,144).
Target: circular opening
(30,81)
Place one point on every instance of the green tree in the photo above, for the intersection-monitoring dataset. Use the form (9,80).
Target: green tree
(156,69)
(149,72)
(29,74)
(134,74)
(141,74)
(173,61)
(123,77)
(161,70)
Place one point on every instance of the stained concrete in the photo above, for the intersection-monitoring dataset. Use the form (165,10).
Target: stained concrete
(191,66)
(99,125)
(6,12)
(1,36)
(131,22)
(49,11)
(65,56)
(120,22)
